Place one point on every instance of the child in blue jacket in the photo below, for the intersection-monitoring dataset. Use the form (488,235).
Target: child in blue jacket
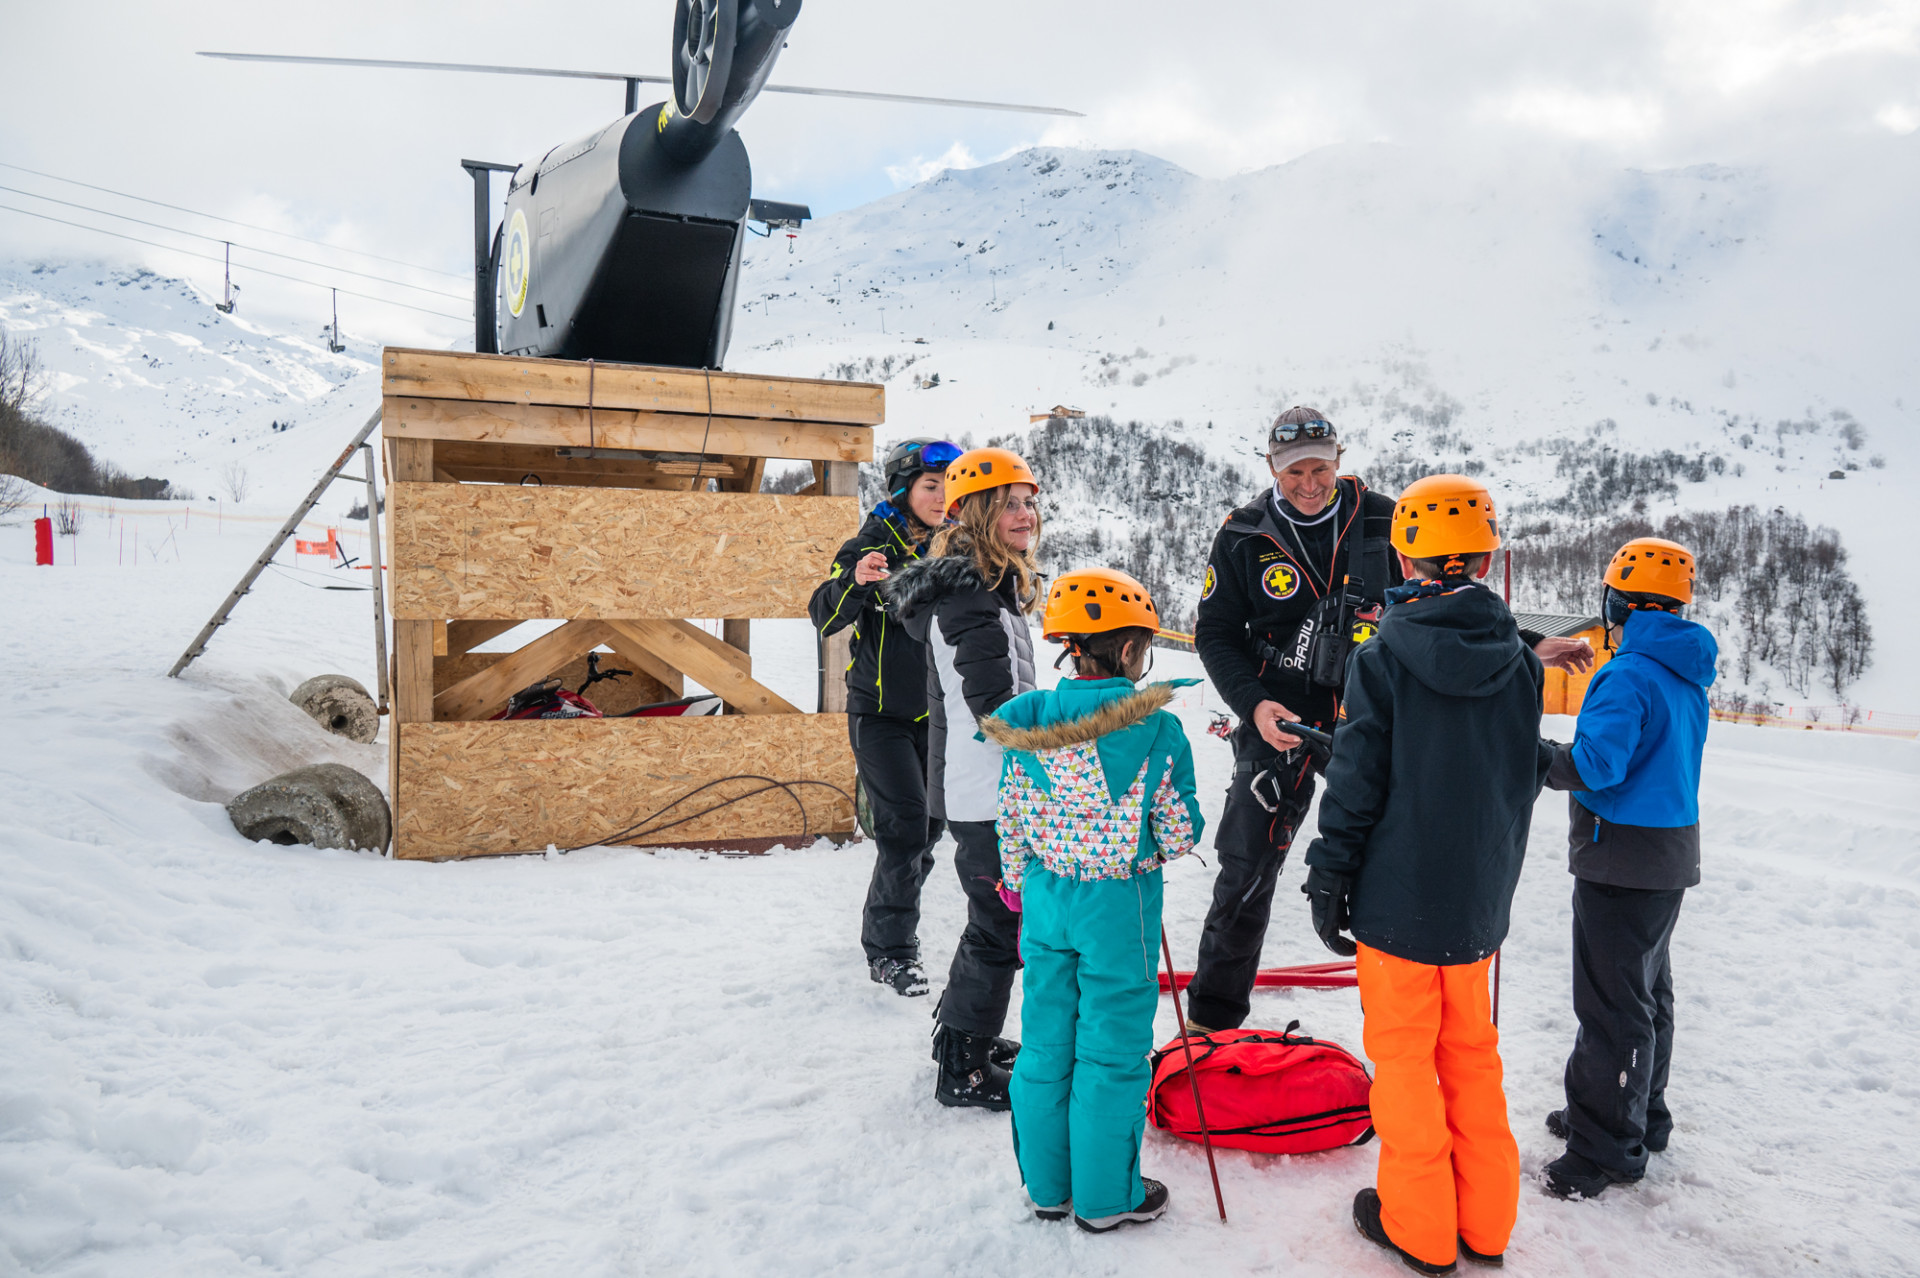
(1096,794)
(1634,767)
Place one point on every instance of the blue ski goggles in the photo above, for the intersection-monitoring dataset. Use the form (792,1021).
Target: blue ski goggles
(935,456)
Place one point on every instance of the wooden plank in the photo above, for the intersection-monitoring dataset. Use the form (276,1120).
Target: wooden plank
(412,671)
(836,479)
(515,475)
(485,693)
(440,639)
(471,551)
(681,646)
(612,696)
(478,789)
(749,472)
(465,636)
(516,379)
(565,427)
(738,635)
(412,461)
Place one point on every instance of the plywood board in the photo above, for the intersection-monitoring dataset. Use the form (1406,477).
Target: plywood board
(551,426)
(611,696)
(479,789)
(515,379)
(468,551)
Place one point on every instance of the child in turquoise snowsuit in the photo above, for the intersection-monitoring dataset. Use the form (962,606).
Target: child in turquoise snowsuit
(1096,794)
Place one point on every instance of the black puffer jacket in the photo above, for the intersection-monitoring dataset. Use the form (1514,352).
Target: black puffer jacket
(1436,765)
(1257,591)
(979,657)
(888,673)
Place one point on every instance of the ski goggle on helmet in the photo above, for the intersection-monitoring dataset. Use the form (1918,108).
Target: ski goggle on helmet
(911,458)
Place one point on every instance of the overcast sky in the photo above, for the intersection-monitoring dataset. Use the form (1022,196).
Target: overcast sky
(110,93)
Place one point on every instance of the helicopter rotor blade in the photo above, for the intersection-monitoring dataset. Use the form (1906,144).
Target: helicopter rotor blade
(560,73)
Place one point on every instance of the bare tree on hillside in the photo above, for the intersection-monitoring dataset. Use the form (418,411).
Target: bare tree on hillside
(23,380)
(68,517)
(234,480)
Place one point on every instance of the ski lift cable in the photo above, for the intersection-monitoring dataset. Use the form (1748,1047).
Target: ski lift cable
(249,248)
(215,217)
(258,270)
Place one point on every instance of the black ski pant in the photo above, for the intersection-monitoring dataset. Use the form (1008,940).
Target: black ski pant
(1623,997)
(1251,845)
(980,982)
(892,757)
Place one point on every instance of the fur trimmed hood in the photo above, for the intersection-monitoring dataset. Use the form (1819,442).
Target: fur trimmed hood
(1109,717)
(919,582)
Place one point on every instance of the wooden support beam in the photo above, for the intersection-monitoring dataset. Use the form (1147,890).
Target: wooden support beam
(552,426)
(482,694)
(836,479)
(748,472)
(440,639)
(517,379)
(646,663)
(412,462)
(687,648)
(473,551)
(738,635)
(615,696)
(412,671)
(465,636)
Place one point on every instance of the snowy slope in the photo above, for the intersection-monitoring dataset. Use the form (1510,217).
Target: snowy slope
(149,375)
(226,1058)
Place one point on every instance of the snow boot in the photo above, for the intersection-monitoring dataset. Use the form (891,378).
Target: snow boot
(908,978)
(1366,1219)
(1557,1124)
(1575,1175)
(1051,1213)
(1496,1261)
(1003,1053)
(968,1076)
(1150,1209)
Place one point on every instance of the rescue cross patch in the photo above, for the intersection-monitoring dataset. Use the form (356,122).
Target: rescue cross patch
(1363,631)
(1280,581)
(1208,583)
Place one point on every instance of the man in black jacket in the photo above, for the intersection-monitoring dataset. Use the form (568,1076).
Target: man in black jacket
(887,703)
(1293,574)
(1291,589)
(1430,791)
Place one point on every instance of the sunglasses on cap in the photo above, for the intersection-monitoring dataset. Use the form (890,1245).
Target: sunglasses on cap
(1290,432)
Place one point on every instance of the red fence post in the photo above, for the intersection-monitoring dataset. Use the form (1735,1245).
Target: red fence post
(43,542)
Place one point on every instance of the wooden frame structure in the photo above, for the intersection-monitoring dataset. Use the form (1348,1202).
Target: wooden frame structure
(525,489)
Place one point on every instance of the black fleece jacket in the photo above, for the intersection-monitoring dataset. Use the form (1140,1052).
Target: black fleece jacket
(1436,766)
(888,674)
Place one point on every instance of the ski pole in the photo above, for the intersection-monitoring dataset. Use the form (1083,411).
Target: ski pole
(1206,1137)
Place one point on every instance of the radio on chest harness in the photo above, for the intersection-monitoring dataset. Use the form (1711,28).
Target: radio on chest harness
(1341,616)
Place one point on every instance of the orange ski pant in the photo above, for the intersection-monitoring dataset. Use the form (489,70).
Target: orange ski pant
(1449,1167)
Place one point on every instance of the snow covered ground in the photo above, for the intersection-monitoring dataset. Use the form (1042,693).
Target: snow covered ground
(224,1058)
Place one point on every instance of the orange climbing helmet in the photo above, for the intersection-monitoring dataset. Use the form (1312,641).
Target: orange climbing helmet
(1445,515)
(1088,601)
(978,469)
(1652,566)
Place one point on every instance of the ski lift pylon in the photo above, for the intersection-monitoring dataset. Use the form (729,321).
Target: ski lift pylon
(334,343)
(228,301)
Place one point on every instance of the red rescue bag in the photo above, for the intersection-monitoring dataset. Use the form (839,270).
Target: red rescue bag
(1272,1093)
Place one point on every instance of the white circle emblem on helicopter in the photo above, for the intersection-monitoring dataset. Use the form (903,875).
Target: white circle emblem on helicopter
(518,262)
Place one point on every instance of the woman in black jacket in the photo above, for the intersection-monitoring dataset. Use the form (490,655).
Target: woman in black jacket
(887,703)
(967,602)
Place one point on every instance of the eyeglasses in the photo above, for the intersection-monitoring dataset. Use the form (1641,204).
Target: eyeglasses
(1288,432)
(1024,505)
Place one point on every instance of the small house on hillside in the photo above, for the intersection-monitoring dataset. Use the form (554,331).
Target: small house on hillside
(1058,410)
(1565,691)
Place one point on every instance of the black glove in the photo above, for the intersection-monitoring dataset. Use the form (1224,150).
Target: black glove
(1330,893)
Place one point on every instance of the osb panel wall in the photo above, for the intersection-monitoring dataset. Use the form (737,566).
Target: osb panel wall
(484,551)
(482,789)
(614,696)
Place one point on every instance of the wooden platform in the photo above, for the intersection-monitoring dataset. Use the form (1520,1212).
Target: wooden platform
(622,501)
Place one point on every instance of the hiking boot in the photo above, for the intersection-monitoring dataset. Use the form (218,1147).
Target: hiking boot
(1366,1219)
(1497,1260)
(908,978)
(1655,1141)
(968,1076)
(1557,1124)
(1576,1176)
(1061,1212)
(1151,1207)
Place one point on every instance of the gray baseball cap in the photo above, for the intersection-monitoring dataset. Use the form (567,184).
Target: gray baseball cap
(1300,434)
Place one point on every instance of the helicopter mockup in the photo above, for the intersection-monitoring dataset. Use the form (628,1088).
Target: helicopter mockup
(625,244)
